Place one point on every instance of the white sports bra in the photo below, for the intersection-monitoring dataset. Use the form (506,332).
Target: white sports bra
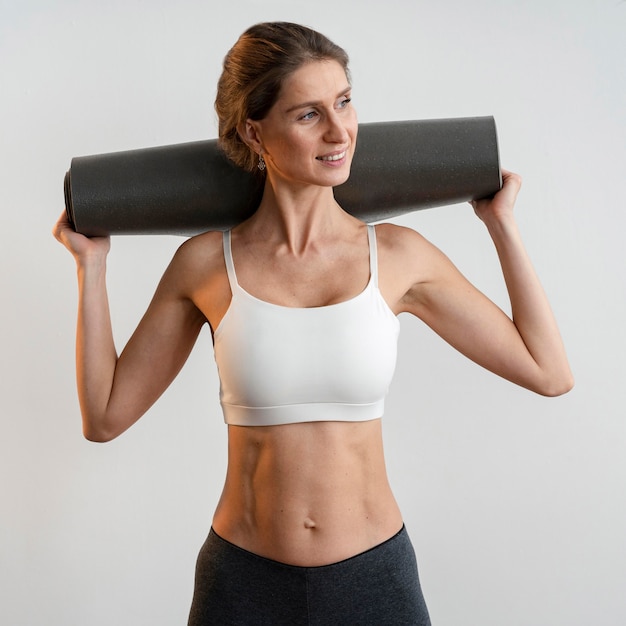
(283,365)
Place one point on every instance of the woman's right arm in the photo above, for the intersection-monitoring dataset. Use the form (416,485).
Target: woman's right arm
(114,392)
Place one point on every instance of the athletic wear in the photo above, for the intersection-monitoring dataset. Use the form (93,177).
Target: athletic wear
(282,365)
(379,587)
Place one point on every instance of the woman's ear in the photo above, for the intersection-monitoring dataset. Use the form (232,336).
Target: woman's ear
(250,135)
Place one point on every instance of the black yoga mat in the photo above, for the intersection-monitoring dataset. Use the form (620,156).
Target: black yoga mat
(190,188)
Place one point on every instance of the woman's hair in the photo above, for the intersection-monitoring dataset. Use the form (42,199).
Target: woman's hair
(253,73)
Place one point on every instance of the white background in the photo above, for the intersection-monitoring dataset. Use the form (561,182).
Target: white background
(515,503)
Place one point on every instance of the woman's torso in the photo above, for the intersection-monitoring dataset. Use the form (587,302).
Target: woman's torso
(307,493)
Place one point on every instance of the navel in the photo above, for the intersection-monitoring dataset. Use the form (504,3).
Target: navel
(309,523)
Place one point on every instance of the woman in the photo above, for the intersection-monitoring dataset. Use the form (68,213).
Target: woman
(302,300)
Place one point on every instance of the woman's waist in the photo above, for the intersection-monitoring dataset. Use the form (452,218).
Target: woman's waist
(308,532)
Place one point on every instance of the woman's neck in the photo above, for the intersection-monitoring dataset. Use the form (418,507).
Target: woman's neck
(296,216)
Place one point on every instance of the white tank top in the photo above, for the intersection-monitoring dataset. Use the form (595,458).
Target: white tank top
(282,365)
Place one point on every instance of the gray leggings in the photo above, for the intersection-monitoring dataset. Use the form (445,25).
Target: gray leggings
(378,587)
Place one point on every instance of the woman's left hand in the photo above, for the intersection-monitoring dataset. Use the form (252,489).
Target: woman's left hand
(501,205)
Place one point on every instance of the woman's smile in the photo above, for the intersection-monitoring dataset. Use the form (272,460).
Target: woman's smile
(333,158)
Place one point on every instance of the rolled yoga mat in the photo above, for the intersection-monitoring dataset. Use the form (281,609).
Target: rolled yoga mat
(190,188)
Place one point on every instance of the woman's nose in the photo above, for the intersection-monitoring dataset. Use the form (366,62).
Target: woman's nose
(336,131)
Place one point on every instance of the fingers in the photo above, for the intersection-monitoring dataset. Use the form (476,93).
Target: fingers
(501,205)
(61,226)
(511,179)
(511,185)
(80,246)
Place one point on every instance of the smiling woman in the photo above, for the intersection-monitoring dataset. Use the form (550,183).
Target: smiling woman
(309,135)
(253,75)
(302,299)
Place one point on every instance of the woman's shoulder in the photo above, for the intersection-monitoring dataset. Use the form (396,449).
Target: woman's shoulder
(205,248)
(197,259)
(406,253)
(400,240)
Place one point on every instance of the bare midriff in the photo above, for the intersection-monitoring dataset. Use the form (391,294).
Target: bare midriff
(307,494)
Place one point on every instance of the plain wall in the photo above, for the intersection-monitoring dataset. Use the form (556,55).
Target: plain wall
(515,503)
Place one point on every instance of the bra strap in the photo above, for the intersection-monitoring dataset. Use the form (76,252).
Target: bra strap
(228,259)
(371,236)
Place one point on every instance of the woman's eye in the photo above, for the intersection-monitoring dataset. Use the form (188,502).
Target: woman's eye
(345,102)
(309,116)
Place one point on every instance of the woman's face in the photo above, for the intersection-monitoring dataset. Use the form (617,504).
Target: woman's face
(309,135)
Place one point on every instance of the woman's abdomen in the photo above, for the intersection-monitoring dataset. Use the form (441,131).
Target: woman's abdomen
(307,494)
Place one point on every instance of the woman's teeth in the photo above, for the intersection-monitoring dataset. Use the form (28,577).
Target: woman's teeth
(334,157)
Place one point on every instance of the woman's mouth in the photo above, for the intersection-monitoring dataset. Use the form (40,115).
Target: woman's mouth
(332,157)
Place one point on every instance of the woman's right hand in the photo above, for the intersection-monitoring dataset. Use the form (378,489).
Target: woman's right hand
(81,247)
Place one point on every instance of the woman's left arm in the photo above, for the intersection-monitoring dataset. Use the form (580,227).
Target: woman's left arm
(525,348)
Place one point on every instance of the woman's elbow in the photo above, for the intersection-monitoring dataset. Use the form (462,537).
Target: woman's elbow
(99,431)
(98,435)
(557,385)
(97,438)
